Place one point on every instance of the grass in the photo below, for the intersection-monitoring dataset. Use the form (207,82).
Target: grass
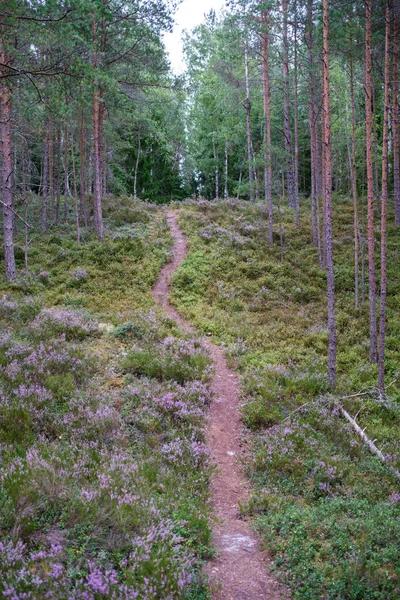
(327,508)
(104,471)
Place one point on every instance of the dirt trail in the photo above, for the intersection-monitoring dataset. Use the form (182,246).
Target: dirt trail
(240,571)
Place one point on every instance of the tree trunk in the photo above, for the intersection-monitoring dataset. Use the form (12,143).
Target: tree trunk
(7,171)
(353,164)
(286,109)
(247,106)
(328,195)
(395,120)
(370,183)
(384,198)
(296,126)
(82,207)
(66,178)
(78,235)
(226,172)
(98,217)
(216,171)
(136,167)
(58,177)
(45,177)
(267,127)
(51,167)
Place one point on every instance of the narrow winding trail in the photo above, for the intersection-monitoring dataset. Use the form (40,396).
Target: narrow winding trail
(240,571)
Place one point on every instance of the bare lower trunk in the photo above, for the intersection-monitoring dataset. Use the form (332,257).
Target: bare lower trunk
(296,127)
(395,105)
(82,208)
(216,171)
(332,344)
(267,128)
(384,198)
(286,109)
(7,175)
(78,235)
(51,167)
(66,177)
(370,184)
(58,178)
(45,179)
(247,106)
(136,167)
(98,218)
(354,181)
(226,172)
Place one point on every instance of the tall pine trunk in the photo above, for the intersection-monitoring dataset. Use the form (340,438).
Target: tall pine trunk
(286,109)
(327,180)
(45,177)
(296,125)
(395,119)
(7,170)
(370,184)
(267,126)
(353,165)
(384,198)
(247,106)
(82,207)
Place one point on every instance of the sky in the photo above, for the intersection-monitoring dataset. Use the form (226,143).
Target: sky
(189,14)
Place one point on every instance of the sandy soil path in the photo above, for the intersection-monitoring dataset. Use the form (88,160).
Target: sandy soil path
(240,570)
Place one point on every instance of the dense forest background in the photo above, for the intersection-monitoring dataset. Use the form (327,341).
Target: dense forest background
(278,153)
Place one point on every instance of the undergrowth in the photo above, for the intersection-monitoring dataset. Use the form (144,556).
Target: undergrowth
(104,469)
(328,509)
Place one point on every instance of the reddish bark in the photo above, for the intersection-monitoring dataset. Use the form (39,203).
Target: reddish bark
(370,183)
(384,198)
(328,208)
(286,109)
(395,119)
(7,171)
(354,181)
(267,129)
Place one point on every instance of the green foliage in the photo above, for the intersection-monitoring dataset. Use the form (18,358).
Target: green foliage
(320,499)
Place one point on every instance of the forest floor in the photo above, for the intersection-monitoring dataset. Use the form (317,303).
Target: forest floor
(240,570)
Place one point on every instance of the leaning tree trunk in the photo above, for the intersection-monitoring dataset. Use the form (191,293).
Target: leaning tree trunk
(267,128)
(384,198)
(370,184)
(395,119)
(327,180)
(286,109)
(7,173)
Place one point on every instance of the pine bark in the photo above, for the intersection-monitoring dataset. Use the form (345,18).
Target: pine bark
(267,126)
(370,184)
(327,180)
(296,126)
(45,178)
(82,207)
(7,168)
(97,208)
(286,109)
(354,182)
(384,199)
(247,106)
(395,118)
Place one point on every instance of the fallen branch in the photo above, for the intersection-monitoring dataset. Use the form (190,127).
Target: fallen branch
(16,214)
(369,442)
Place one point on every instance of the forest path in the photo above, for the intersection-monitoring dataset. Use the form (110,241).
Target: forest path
(240,570)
